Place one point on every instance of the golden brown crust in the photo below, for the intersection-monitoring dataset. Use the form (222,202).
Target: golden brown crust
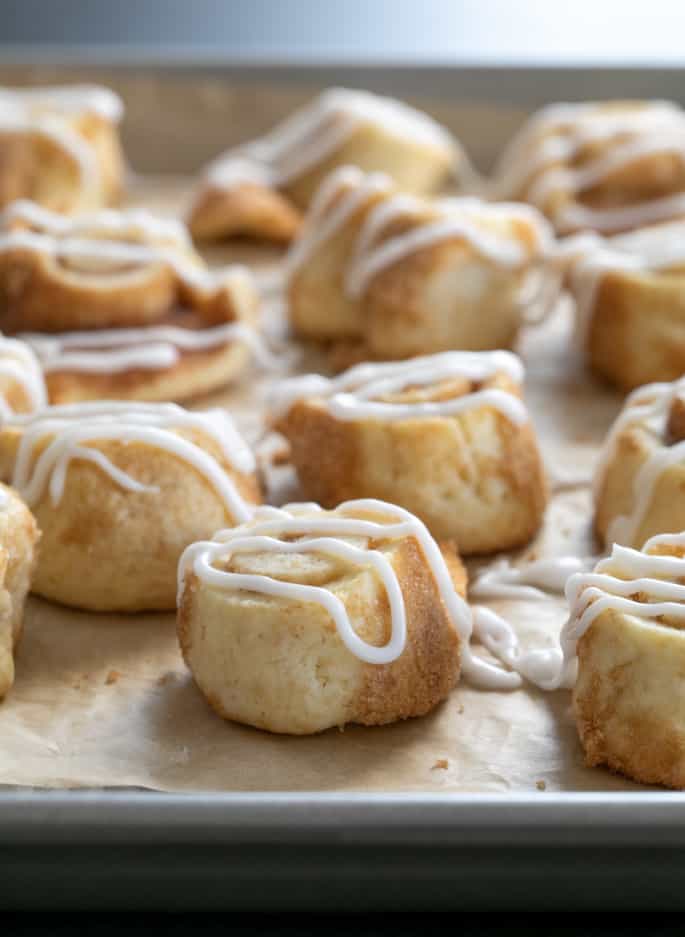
(413,167)
(41,291)
(473,477)
(33,166)
(443,296)
(627,699)
(243,210)
(617,491)
(636,331)
(273,213)
(629,183)
(18,541)
(193,374)
(106,548)
(229,644)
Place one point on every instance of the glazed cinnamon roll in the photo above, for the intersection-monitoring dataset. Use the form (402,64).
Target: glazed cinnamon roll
(303,619)
(630,296)
(119,490)
(608,166)
(59,146)
(642,468)
(387,275)
(259,189)
(18,540)
(446,436)
(118,305)
(627,628)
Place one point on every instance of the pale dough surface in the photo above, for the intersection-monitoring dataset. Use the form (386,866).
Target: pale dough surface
(106,700)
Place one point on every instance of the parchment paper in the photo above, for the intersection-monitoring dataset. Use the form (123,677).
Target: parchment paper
(103,700)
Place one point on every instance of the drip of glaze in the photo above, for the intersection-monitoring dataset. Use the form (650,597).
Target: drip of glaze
(626,573)
(18,363)
(353,394)
(317,131)
(533,580)
(152,348)
(73,431)
(274,528)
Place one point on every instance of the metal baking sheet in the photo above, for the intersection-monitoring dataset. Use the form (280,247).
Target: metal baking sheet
(325,851)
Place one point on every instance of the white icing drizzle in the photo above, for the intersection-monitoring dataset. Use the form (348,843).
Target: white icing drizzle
(314,133)
(93,238)
(320,532)
(647,407)
(149,348)
(446,219)
(74,430)
(613,585)
(353,188)
(534,580)
(348,189)
(353,394)
(556,134)
(19,363)
(45,112)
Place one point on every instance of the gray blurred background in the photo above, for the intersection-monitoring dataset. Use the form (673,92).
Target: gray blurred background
(401,31)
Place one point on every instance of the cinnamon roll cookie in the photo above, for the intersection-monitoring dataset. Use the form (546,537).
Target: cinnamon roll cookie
(627,629)
(59,146)
(608,166)
(446,436)
(119,305)
(260,189)
(390,276)
(18,540)
(630,296)
(119,490)
(642,468)
(303,619)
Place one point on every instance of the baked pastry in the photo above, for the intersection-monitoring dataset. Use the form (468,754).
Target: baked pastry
(260,189)
(119,490)
(300,619)
(607,166)
(22,387)
(626,628)
(118,305)
(630,296)
(389,276)
(642,468)
(60,147)
(18,540)
(447,437)
(156,363)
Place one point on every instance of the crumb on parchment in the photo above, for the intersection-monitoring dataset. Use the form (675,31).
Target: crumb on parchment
(541,786)
(112,677)
(440,765)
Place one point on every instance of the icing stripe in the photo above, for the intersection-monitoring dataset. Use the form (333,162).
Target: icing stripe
(353,394)
(74,427)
